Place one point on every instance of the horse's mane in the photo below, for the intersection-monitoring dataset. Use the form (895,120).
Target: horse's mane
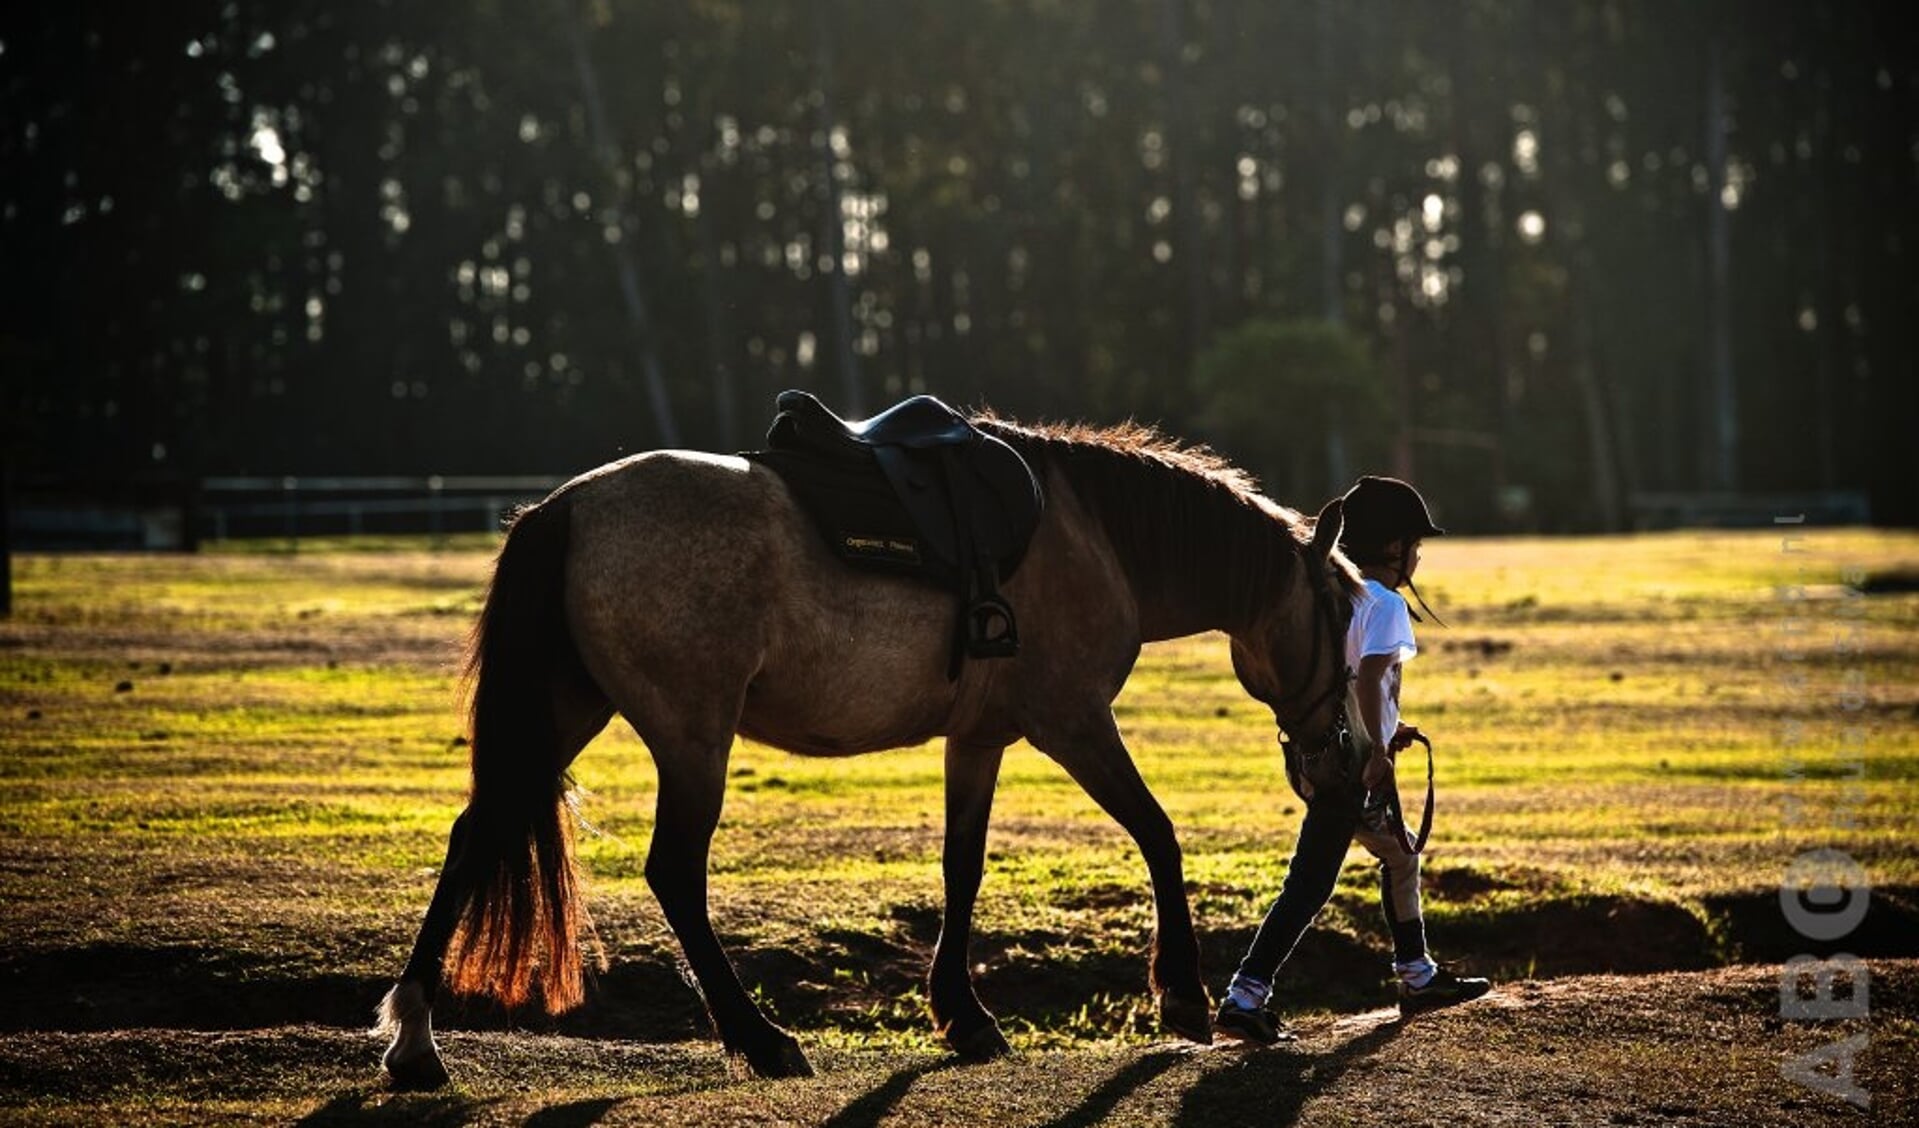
(1181,518)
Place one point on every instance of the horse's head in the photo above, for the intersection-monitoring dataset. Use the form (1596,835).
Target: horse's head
(1294,658)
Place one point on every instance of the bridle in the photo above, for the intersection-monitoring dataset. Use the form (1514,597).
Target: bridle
(1326,615)
(1339,735)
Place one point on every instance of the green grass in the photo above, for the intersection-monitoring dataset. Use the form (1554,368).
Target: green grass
(243,747)
(226,780)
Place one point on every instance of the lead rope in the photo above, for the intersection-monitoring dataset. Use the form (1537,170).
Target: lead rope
(1416,844)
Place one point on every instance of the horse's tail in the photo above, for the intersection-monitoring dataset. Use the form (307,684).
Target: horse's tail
(515,883)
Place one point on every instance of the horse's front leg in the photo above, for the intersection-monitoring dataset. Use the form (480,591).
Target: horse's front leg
(1095,756)
(972,772)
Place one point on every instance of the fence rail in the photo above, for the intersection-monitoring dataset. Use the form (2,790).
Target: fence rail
(231,507)
(296,506)
(181,514)
(1677,509)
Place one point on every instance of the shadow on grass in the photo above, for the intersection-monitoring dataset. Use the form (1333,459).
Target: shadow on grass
(1271,1086)
(435,1111)
(118,986)
(96,987)
(1759,932)
(1100,1103)
(872,1109)
(426,1112)
(578,1114)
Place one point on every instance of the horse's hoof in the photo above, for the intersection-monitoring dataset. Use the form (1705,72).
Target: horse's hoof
(415,1074)
(981,1043)
(780,1059)
(1191,1019)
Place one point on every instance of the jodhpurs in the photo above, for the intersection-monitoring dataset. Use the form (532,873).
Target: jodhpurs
(1331,825)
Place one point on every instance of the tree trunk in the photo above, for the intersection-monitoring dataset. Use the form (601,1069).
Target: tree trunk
(1332,246)
(1721,447)
(719,337)
(625,261)
(1479,343)
(833,220)
(1889,283)
(1182,139)
(1331,243)
(1588,378)
(6,542)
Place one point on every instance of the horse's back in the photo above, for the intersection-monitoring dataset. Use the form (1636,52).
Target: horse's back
(683,544)
(696,584)
(646,517)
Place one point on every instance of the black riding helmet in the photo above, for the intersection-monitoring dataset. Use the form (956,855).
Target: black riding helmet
(1379,511)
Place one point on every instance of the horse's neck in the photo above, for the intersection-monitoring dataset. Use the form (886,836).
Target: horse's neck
(1162,617)
(1221,582)
(1209,596)
(1198,556)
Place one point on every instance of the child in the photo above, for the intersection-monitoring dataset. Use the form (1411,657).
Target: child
(1385,521)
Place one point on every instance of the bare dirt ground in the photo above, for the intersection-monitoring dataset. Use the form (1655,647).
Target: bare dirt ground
(1692,1048)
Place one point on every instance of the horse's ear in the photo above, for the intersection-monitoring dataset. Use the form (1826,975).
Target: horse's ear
(1327,527)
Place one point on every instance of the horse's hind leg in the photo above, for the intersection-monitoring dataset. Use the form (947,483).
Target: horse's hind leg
(412,1058)
(1095,756)
(692,786)
(968,1027)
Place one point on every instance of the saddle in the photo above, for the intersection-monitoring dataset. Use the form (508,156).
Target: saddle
(916,490)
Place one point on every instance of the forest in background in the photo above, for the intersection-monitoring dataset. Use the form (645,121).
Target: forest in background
(1543,257)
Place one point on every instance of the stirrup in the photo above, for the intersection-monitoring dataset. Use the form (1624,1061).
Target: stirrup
(990,631)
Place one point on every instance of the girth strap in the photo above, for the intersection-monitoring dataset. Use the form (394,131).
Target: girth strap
(986,628)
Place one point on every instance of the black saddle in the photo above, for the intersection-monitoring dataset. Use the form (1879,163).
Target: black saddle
(915,490)
(916,424)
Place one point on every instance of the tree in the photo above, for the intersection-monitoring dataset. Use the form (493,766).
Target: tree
(288,237)
(1267,392)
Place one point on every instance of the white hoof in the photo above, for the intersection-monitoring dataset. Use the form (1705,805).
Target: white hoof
(412,1060)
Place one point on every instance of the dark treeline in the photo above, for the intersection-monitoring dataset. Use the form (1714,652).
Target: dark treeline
(1543,256)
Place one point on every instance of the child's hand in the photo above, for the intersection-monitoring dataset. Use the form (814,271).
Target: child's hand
(1404,738)
(1378,772)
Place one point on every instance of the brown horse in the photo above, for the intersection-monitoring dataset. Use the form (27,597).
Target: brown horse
(689,593)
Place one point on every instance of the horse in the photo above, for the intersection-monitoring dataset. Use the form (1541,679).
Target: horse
(688,593)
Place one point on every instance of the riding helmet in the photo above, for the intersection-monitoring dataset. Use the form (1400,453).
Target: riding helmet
(1382,510)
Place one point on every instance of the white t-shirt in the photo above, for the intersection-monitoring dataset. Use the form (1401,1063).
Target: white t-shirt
(1382,624)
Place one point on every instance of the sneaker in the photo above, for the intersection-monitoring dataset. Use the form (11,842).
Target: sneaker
(1258,1026)
(1443,990)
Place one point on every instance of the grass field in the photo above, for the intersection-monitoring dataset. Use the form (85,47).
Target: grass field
(227,779)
